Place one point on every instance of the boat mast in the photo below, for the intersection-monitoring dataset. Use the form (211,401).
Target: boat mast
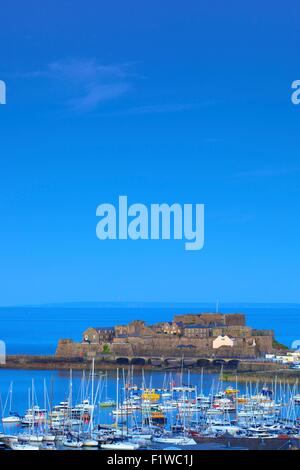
(92,410)
(117,398)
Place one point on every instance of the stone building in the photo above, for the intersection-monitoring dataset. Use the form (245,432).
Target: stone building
(211,319)
(196,331)
(168,328)
(234,331)
(96,335)
(134,328)
(221,341)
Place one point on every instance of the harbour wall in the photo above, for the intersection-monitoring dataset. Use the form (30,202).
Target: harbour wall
(244,347)
(156,363)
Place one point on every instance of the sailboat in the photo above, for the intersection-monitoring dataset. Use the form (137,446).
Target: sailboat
(12,417)
(18,446)
(48,434)
(89,441)
(33,418)
(107,403)
(178,441)
(69,442)
(120,445)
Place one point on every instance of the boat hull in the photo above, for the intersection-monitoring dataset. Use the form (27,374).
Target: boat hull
(251,443)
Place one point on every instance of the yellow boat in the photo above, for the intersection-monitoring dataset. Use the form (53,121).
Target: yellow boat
(242,400)
(231,391)
(156,418)
(151,395)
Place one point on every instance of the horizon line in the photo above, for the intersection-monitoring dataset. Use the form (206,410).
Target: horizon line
(145,304)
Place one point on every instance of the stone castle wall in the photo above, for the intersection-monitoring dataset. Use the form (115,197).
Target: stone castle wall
(264,344)
(207,319)
(69,348)
(168,346)
(175,346)
(234,331)
(138,339)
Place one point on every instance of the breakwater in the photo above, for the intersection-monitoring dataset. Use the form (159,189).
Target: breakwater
(229,366)
(288,376)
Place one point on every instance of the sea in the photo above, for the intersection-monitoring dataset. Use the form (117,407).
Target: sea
(36,330)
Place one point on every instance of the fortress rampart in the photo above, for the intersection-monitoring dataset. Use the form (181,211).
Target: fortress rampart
(189,335)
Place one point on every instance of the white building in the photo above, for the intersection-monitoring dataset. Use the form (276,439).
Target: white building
(222,341)
(288,358)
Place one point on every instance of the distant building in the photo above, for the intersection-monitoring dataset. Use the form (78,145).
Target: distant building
(211,319)
(134,328)
(96,335)
(196,331)
(169,328)
(288,358)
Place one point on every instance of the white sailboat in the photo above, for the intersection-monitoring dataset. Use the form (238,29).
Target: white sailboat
(122,445)
(72,443)
(18,446)
(108,402)
(12,417)
(178,441)
(89,441)
(33,417)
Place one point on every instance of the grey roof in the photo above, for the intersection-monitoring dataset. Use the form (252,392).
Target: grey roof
(99,328)
(196,326)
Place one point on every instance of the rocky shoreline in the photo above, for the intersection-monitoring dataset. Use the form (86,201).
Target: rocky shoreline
(288,376)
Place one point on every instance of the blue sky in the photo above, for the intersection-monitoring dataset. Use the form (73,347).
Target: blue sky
(164,102)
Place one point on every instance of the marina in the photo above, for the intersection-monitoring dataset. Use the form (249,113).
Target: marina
(130,409)
(49,402)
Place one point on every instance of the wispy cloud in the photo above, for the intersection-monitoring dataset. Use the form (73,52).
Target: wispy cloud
(87,83)
(96,95)
(159,109)
(83,85)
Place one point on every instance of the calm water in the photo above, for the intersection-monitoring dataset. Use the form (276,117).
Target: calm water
(37,330)
(58,382)
(57,386)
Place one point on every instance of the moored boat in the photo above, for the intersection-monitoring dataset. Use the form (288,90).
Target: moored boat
(120,445)
(19,446)
(72,443)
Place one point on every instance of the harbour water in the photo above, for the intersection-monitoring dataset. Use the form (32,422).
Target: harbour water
(58,382)
(188,400)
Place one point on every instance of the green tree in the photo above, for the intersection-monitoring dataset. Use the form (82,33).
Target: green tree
(106,349)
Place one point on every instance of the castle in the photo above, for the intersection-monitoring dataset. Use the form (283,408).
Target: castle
(190,335)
